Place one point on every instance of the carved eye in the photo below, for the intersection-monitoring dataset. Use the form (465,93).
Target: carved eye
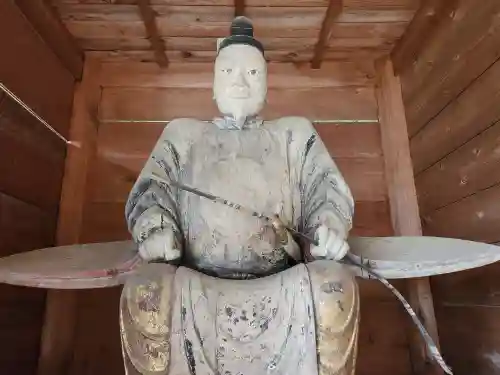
(253,72)
(227,70)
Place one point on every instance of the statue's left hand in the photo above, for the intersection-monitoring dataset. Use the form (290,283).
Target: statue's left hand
(332,244)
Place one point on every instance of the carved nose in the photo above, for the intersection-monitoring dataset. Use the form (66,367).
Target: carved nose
(239,80)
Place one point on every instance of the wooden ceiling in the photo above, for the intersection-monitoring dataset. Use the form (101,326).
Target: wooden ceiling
(300,30)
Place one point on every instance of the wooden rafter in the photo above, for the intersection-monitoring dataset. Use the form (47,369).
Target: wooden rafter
(402,193)
(157,44)
(418,31)
(52,30)
(333,11)
(239,8)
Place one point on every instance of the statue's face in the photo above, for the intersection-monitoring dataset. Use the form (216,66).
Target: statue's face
(240,84)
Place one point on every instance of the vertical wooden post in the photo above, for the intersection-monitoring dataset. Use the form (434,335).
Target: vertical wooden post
(403,201)
(239,8)
(56,349)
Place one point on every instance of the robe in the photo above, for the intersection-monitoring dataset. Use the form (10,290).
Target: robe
(287,321)
(304,320)
(274,167)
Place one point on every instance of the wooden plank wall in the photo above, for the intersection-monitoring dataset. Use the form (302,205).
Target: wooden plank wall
(141,91)
(452,98)
(31,171)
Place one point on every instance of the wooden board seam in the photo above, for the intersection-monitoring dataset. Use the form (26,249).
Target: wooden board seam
(459,94)
(458,147)
(479,191)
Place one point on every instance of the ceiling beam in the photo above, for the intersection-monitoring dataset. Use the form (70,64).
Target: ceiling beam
(239,8)
(421,27)
(45,20)
(149,18)
(332,13)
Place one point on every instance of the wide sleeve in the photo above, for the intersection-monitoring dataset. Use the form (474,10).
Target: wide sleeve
(152,209)
(324,198)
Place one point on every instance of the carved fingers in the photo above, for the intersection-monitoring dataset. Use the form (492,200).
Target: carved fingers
(159,246)
(332,244)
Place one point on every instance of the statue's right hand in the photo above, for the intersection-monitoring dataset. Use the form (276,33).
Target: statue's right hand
(159,246)
(332,244)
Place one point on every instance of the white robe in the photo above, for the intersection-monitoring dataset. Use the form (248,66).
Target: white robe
(276,167)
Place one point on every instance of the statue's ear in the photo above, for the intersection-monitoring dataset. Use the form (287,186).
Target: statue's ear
(87,266)
(219,41)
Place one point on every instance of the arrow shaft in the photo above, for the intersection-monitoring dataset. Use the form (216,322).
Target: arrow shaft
(349,259)
(234,205)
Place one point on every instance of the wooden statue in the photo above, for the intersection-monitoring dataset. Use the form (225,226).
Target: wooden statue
(241,260)
(181,321)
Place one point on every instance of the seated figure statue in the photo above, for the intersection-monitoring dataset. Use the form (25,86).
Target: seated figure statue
(226,292)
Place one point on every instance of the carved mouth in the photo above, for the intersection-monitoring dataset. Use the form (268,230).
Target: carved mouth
(239,96)
(237,93)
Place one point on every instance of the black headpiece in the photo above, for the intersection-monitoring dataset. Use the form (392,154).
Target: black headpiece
(241,33)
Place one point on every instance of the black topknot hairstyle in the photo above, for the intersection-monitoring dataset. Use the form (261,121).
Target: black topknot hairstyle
(241,33)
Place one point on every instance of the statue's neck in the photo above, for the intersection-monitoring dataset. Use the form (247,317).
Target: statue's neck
(229,122)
